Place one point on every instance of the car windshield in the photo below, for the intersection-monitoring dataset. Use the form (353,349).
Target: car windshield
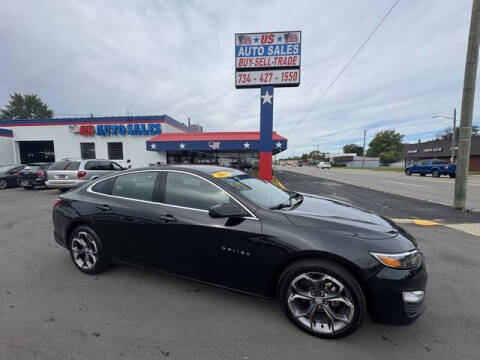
(258,191)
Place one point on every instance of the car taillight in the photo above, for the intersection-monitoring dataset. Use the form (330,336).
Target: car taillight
(81,174)
(57,202)
(39,173)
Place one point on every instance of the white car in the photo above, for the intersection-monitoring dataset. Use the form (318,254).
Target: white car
(323,165)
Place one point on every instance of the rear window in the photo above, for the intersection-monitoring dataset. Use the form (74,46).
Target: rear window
(105,186)
(65,165)
(135,186)
(99,165)
(31,168)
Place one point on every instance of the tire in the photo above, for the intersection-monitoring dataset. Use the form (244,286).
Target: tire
(297,282)
(408,172)
(423,174)
(85,238)
(3,184)
(436,173)
(452,175)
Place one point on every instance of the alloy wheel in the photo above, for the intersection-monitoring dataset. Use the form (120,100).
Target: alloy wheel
(3,184)
(320,302)
(84,250)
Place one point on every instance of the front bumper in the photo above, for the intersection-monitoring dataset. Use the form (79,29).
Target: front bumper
(395,296)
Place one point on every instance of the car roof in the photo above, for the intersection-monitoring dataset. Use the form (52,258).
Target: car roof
(204,169)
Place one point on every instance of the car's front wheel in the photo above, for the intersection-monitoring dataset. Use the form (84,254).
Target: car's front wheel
(87,251)
(321,298)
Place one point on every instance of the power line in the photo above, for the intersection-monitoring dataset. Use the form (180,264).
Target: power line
(345,67)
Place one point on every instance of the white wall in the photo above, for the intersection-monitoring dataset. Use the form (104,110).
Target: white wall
(6,151)
(67,144)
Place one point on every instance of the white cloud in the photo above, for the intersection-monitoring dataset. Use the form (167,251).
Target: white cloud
(177,57)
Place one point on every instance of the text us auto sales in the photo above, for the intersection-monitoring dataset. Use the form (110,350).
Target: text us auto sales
(120,129)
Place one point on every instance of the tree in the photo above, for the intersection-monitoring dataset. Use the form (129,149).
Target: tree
(353,148)
(304,157)
(316,155)
(445,133)
(28,106)
(385,141)
(390,157)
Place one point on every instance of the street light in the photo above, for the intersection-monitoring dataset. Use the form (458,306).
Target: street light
(452,158)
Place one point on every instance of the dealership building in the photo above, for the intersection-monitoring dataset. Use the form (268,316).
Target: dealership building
(145,140)
(440,149)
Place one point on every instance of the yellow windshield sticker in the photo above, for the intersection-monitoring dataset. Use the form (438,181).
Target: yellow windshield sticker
(222,174)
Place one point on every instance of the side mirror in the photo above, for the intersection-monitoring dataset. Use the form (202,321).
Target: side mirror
(225,210)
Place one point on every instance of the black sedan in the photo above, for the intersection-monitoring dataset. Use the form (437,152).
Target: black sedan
(9,174)
(33,175)
(327,261)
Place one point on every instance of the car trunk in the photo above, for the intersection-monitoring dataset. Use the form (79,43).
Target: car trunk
(64,170)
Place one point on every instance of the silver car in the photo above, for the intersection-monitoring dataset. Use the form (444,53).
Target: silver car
(72,173)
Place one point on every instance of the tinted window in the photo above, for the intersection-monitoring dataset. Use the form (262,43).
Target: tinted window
(74,165)
(99,165)
(105,186)
(135,186)
(437,161)
(193,192)
(87,150)
(59,165)
(258,191)
(115,150)
(116,166)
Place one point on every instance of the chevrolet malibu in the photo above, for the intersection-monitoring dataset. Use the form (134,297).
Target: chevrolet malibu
(328,262)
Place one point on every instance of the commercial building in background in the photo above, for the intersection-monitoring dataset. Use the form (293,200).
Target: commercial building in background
(352,160)
(440,149)
(142,139)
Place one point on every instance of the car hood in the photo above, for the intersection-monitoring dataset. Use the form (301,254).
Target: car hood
(341,217)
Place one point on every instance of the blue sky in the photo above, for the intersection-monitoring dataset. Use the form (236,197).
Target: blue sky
(177,58)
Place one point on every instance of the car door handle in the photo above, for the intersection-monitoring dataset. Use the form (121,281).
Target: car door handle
(104,207)
(168,218)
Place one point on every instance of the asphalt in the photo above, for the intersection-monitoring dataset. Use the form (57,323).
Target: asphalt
(385,203)
(50,310)
(439,190)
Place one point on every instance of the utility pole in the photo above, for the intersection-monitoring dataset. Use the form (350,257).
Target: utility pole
(364,136)
(468,96)
(452,160)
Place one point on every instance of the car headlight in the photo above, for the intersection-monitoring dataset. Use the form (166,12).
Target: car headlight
(403,261)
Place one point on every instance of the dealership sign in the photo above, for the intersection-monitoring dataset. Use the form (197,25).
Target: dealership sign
(262,59)
(117,129)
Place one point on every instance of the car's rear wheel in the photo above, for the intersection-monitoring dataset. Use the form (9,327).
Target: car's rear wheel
(321,298)
(87,251)
(3,184)
(436,173)
(408,172)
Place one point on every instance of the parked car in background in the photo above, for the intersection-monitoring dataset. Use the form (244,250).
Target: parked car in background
(326,261)
(72,173)
(436,167)
(9,174)
(33,175)
(324,165)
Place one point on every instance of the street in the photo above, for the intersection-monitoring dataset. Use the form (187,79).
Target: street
(50,310)
(439,190)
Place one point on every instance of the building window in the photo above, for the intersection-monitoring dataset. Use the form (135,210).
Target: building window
(115,150)
(87,150)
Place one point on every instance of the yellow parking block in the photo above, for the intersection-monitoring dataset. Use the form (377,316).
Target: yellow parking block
(425,223)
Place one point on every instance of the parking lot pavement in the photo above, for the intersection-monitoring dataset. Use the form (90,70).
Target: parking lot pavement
(439,190)
(50,310)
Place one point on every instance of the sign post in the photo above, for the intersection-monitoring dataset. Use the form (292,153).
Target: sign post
(266,129)
(265,61)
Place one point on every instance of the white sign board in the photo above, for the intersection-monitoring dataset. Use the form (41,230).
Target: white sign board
(268,51)
(285,77)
